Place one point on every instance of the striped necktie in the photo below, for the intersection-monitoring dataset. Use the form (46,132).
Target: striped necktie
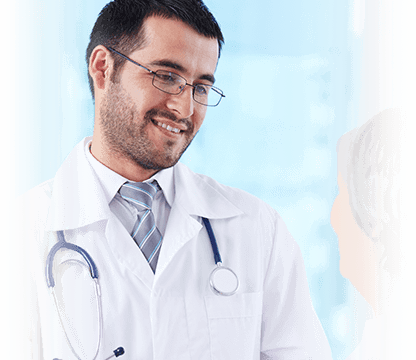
(145,233)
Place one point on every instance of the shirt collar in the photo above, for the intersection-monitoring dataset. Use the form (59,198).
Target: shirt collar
(109,180)
(165,180)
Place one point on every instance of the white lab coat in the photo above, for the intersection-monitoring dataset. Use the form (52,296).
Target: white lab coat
(172,314)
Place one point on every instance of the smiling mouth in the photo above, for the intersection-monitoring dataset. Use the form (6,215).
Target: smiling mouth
(167,127)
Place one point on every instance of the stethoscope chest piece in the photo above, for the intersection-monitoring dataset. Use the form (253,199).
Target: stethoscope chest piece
(223,281)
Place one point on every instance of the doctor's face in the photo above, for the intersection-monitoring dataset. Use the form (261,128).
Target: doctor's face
(140,122)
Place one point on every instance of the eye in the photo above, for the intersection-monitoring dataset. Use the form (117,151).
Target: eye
(202,90)
(166,77)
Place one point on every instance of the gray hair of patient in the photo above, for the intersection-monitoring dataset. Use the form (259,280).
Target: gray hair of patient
(369,163)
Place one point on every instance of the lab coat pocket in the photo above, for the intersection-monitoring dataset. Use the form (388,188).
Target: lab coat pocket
(234,326)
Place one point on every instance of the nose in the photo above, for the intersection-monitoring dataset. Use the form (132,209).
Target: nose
(182,104)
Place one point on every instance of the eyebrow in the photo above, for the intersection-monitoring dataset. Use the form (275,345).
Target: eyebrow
(176,66)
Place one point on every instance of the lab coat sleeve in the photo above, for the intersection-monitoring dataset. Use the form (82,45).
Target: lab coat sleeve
(25,316)
(290,326)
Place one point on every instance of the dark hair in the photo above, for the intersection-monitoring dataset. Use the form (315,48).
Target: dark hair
(120,25)
(375,169)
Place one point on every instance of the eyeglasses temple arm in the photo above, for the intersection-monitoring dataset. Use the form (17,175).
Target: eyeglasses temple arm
(127,58)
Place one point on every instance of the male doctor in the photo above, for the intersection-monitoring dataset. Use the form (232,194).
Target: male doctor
(123,197)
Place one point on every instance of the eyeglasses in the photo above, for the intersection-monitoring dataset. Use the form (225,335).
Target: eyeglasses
(172,83)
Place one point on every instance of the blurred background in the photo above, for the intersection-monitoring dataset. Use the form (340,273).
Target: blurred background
(297,75)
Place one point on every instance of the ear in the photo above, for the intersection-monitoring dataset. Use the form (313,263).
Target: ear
(99,66)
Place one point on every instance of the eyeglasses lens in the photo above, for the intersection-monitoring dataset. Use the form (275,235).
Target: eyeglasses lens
(174,84)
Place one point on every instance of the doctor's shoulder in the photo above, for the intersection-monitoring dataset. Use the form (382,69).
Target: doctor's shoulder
(237,196)
(254,209)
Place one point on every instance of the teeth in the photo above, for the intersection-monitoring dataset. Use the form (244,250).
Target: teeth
(168,127)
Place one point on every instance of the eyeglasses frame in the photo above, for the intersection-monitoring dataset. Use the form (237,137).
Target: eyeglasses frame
(218,91)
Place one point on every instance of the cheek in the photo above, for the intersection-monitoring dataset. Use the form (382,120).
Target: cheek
(146,98)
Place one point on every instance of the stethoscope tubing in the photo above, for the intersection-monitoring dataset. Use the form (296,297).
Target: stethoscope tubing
(100,320)
(62,244)
(213,240)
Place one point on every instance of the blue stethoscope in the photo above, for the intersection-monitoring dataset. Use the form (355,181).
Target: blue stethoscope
(223,281)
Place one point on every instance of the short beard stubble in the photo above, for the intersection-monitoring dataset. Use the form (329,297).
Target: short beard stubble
(125,135)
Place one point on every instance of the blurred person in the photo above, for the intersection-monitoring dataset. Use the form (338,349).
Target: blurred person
(366,218)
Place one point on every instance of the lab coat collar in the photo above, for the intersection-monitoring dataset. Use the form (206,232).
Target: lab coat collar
(202,196)
(77,196)
(79,200)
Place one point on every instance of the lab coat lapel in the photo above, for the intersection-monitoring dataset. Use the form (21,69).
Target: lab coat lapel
(127,252)
(194,198)
(181,228)
(77,197)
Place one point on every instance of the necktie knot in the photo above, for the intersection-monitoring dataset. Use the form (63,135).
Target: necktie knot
(139,194)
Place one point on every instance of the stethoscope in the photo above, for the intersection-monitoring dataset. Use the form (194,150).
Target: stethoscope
(223,281)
